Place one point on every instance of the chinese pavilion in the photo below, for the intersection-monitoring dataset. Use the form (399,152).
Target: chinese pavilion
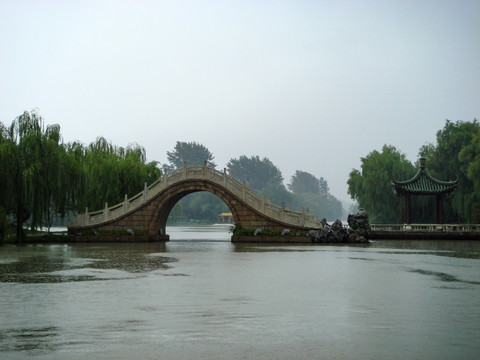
(424,184)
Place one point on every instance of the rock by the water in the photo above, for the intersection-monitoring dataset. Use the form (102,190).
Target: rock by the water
(359,226)
(358,230)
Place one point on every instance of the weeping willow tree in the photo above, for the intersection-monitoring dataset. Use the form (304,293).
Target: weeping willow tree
(110,172)
(33,162)
(5,181)
(370,186)
(41,177)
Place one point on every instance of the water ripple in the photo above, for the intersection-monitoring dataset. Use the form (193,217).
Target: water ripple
(443,276)
(39,340)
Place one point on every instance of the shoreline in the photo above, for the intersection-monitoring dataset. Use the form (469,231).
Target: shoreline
(378,236)
(61,235)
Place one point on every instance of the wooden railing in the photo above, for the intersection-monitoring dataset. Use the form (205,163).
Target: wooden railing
(426,227)
(265,207)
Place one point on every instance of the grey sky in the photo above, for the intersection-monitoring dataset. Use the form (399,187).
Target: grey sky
(312,85)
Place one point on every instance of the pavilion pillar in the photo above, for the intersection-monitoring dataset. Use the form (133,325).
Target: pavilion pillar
(407,208)
(439,208)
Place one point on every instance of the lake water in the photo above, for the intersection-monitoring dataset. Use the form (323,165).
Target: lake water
(201,297)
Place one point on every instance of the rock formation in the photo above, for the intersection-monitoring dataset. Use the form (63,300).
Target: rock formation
(358,230)
(359,227)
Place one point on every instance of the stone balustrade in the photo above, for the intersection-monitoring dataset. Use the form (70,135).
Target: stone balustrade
(426,227)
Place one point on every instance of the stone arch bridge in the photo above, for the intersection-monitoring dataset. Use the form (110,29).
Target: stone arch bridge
(143,217)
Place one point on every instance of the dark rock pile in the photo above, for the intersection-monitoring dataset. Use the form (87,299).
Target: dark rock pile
(359,226)
(358,230)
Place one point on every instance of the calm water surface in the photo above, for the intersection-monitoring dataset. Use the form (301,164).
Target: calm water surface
(201,297)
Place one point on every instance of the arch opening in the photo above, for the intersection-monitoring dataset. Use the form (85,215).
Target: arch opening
(200,207)
(177,193)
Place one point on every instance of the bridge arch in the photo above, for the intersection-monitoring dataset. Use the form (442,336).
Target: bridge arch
(145,214)
(178,191)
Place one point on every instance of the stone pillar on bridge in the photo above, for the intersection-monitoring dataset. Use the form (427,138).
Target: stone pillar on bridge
(105,212)
(244,192)
(165,176)
(145,191)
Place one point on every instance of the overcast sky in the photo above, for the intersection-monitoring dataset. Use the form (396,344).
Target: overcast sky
(311,85)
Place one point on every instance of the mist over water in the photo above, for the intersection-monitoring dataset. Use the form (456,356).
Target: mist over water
(200,296)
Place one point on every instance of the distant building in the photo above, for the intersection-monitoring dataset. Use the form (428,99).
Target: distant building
(225,218)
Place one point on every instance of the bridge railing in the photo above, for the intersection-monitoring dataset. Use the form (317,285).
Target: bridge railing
(238,188)
(426,227)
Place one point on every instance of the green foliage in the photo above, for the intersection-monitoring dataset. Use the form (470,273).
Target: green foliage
(41,177)
(265,179)
(470,156)
(371,187)
(312,193)
(190,152)
(259,173)
(33,160)
(202,207)
(277,194)
(303,182)
(307,191)
(198,206)
(327,207)
(111,172)
(3,224)
(239,231)
(456,155)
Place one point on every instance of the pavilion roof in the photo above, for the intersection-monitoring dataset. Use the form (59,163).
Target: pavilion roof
(424,184)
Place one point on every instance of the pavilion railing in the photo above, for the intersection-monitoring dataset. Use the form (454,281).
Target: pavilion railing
(426,227)
(260,204)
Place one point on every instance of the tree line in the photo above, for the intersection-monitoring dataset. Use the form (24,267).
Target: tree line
(455,155)
(43,178)
(305,191)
